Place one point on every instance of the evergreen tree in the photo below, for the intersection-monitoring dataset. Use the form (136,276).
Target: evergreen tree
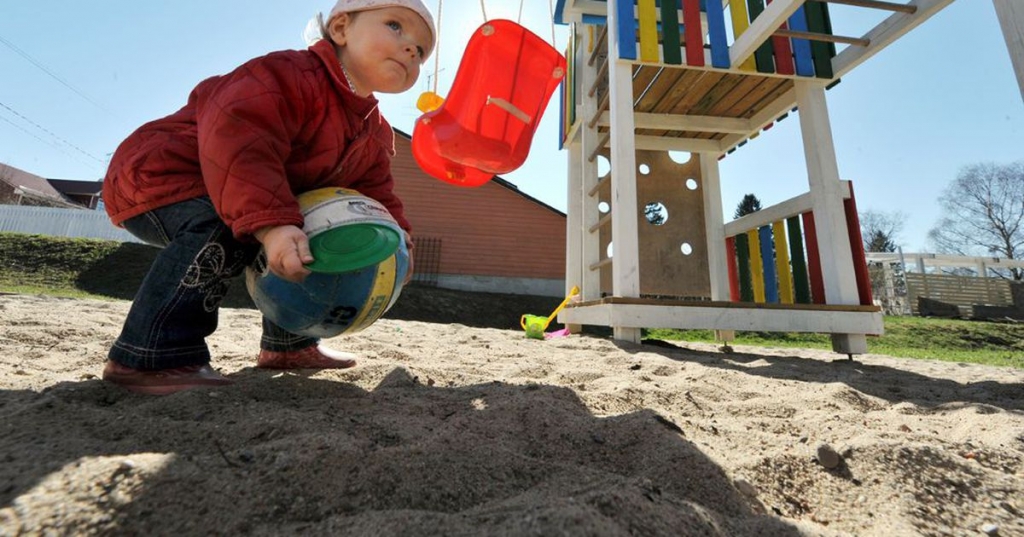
(750,204)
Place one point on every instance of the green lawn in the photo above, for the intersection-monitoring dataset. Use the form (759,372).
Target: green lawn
(33,264)
(999,344)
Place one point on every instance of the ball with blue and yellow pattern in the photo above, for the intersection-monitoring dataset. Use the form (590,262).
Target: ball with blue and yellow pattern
(361,262)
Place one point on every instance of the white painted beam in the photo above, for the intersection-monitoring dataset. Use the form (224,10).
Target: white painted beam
(575,233)
(661,143)
(768,114)
(591,279)
(888,31)
(942,260)
(714,225)
(761,29)
(1011,19)
(826,195)
(782,210)
(625,228)
(727,318)
(678,122)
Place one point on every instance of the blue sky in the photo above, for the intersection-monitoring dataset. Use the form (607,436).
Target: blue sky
(80,76)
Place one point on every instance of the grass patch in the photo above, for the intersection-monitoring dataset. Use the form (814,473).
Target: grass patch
(86,268)
(999,344)
(81,268)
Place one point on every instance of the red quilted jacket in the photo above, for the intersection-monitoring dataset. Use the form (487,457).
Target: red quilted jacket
(279,125)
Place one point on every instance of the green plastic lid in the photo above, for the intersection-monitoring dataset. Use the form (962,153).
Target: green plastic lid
(354,247)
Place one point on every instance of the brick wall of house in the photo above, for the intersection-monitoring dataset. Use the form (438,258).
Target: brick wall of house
(492,230)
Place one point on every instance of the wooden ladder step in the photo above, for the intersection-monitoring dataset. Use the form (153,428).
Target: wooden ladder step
(812,36)
(874,4)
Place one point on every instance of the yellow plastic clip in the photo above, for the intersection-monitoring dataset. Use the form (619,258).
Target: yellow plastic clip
(429,101)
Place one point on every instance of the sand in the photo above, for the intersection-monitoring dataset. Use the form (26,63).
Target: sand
(445,429)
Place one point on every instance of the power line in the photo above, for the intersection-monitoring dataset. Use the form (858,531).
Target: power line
(44,129)
(43,68)
(49,143)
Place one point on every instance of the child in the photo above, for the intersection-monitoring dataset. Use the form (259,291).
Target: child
(218,178)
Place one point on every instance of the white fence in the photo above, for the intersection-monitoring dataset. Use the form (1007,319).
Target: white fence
(56,222)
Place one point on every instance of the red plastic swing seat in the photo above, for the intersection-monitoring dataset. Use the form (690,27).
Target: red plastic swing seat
(486,124)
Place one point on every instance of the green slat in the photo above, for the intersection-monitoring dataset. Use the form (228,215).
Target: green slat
(801,283)
(745,276)
(764,56)
(670,33)
(818,22)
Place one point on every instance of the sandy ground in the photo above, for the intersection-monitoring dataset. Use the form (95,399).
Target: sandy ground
(449,430)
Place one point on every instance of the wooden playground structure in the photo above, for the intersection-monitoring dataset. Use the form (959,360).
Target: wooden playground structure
(648,244)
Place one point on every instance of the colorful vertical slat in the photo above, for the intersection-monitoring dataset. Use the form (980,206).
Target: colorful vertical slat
(692,29)
(574,44)
(801,47)
(817,22)
(717,37)
(648,16)
(743,264)
(763,54)
(771,289)
(566,90)
(782,263)
(860,263)
(670,44)
(563,128)
(783,53)
(626,30)
(740,23)
(734,278)
(813,259)
(756,266)
(801,287)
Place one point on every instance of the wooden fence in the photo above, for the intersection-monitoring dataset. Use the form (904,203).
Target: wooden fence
(964,291)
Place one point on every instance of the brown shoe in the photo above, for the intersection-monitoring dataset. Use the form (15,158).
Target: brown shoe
(163,381)
(312,357)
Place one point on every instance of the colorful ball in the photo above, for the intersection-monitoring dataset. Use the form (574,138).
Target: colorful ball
(361,263)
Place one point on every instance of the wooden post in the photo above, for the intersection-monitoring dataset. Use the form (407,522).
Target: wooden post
(1011,19)
(589,140)
(575,231)
(714,230)
(625,247)
(827,202)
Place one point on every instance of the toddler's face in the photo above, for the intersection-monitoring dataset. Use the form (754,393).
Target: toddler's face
(381,49)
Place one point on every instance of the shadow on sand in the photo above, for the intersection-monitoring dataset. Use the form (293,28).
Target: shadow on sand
(888,383)
(286,453)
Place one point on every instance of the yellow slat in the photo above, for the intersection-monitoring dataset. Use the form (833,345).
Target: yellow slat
(740,23)
(648,31)
(756,265)
(782,262)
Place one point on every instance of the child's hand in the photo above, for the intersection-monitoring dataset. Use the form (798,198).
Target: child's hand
(287,250)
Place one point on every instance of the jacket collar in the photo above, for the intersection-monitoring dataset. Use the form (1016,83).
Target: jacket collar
(362,106)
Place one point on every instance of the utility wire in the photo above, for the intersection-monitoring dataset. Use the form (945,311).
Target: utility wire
(44,129)
(43,68)
(49,143)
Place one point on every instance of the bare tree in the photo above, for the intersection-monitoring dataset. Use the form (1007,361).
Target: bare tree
(880,230)
(984,208)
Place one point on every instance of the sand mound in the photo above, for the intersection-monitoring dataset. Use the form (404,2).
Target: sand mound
(448,430)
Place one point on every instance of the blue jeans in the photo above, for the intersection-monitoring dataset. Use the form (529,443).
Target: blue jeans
(176,306)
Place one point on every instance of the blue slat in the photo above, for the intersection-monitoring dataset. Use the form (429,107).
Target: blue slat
(719,41)
(801,47)
(771,286)
(627,30)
